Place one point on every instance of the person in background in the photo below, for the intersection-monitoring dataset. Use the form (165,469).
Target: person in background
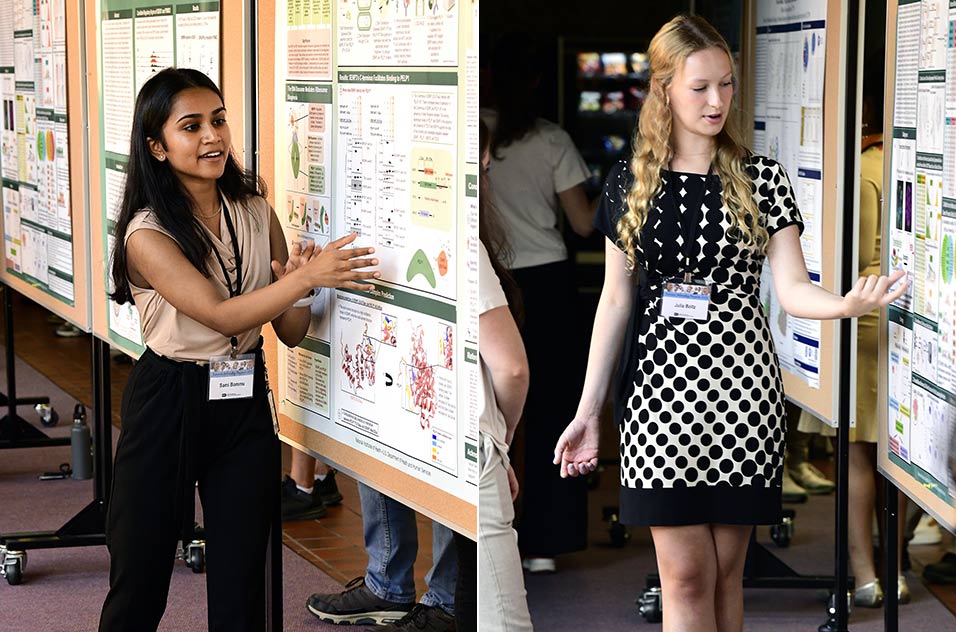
(502,601)
(202,255)
(862,487)
(538,178)
(702,425)
(308,489)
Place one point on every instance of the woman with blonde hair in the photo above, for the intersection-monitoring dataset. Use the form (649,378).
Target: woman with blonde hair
(700,400)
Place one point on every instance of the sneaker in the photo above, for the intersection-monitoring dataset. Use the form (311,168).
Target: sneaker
(539,564)
(927,531)
(67,330)
(357,604)
(792,493)
(943,571)
(869,595)
(297,505)
(327,491)
(811,479)
(902,591)
(422,617)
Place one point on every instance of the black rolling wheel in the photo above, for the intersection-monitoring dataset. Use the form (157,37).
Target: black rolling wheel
(13,570)
(196,556)
(780,535)
(649,605)
(48,415)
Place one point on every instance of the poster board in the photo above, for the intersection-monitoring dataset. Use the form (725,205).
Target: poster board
(375,112)
(46,241)
(798,120)
(918,332)
(129,41)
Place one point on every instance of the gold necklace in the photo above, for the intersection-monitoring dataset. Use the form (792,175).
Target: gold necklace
(213,214)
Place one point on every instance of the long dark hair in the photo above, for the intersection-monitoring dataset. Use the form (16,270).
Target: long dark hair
(515,71)
(151,184)
(492,233)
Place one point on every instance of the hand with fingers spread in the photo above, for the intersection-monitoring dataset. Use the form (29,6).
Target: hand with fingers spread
(299,255)
(577,449)
(338,266)
(873,292)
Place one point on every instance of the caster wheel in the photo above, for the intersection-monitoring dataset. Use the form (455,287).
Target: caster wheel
(782,533)
(48,415)
(196,556)
(649,605)
(831,604)
(13,566)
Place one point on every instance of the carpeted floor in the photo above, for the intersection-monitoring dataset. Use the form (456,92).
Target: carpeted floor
(63,589)
(596,589)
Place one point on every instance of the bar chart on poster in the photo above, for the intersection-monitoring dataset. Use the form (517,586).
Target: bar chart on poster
(41,156)
(918,349)
(371,101)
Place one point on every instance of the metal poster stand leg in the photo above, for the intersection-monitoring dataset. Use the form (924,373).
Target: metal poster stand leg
(16,432)
(891,532)
(87,528)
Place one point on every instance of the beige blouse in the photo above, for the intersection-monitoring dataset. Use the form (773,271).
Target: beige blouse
(175,335)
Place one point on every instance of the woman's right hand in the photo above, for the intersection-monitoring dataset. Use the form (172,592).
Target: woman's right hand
(577,449)
(338,266)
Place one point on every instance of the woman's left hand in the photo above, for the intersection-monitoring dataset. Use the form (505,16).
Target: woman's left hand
(872,292)
(512,483)
(299,255)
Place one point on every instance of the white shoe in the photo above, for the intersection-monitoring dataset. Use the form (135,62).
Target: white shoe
(792,493)
(927,531)
(539,564)
(811,479)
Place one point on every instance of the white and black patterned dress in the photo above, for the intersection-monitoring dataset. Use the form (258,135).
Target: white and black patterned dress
(702,425)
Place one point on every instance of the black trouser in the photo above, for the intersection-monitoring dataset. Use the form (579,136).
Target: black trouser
(553,514)
(466,588)
(172,437)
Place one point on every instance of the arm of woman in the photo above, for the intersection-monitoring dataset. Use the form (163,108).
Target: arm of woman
(155,261)
(292,324)
(577,448)
(579,211)
(799,297)
(503,353)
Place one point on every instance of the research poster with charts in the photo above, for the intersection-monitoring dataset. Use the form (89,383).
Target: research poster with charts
(920,223)
(34,161)
(788,127)
(377,144)
(136,39)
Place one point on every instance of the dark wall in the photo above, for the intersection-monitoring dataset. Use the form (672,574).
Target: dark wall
(579,18)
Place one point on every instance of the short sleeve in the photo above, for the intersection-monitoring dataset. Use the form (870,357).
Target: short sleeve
(774,195)
(613,202)
(490,294)
(570,169)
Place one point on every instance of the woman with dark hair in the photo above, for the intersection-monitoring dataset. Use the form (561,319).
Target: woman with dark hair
(202,255)
(538,176)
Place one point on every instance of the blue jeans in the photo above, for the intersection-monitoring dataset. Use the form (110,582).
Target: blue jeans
(391,540)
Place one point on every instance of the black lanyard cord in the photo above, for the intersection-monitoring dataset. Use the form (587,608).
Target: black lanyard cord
(690,230)
(222,264)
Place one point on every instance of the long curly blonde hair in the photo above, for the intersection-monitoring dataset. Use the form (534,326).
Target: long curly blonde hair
(670,48)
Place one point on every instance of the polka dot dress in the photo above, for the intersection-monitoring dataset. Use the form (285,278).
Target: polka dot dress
(703,424)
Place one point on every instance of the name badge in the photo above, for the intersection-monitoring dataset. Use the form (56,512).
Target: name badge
(231,378)
(683,299)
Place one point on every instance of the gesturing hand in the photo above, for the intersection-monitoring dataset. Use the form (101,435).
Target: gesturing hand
(337,266)
(870,293)
(299,255)
(577,449)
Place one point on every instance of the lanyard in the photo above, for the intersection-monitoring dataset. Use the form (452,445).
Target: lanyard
(233,292)
(688,232)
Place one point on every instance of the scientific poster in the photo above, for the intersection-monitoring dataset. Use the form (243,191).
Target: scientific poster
(373,142)
(920,221)
(34,146)
(788,127)
(138,38)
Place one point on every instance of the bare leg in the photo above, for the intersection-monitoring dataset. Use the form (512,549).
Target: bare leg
(862,496)
(321,469)
(730,542)
(687,563)
(302,467)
